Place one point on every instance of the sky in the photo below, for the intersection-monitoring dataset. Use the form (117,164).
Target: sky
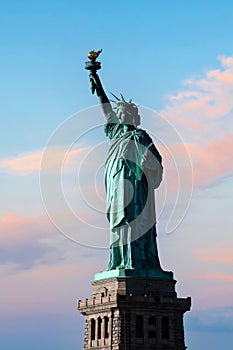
(175,59)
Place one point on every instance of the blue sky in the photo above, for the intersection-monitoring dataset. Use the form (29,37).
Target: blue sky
(173,57)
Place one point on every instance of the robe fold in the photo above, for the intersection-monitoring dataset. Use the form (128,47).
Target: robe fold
(133,169)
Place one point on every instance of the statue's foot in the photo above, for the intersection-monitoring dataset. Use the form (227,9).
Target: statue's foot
(120,267)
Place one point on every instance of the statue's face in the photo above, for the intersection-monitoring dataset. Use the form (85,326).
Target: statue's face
(123,115)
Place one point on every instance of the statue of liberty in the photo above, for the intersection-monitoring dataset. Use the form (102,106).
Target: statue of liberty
(133,169)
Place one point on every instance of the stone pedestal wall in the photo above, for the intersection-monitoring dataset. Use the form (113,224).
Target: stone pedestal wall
(133,314)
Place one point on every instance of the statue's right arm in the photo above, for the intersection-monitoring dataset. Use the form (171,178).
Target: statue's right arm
(97,86)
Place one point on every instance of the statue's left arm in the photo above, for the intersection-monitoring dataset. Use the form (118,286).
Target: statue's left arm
(152,163)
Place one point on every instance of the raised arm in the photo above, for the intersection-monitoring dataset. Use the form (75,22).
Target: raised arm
(97,87)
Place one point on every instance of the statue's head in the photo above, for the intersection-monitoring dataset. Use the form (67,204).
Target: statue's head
(127,112)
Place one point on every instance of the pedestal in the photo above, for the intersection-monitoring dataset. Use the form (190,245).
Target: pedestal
(131,313)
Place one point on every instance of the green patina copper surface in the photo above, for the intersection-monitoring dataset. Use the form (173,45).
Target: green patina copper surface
(133,170)
(122,273)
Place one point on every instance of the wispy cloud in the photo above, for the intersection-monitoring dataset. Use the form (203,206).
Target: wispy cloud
(214,276)
(26,243)
(219,253)
(203,100)
(22,165)
(39,268)
(22,240)
(212,161)
(26,164)
(17,229)
(42,289)
(203,113)
(212,320)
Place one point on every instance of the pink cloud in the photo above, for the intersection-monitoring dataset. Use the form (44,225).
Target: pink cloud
(22,165)
(43,289)
(24,241)
(218,253)
(27,164)
(203,99)
(15,229)
(215,276)
(212,160)
(9,218)
(39,274)
(177,167)
(202,112)
(226,61)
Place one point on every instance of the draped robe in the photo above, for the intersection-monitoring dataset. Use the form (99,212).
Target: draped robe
(133,169)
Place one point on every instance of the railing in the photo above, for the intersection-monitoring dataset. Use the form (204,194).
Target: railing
(129,298)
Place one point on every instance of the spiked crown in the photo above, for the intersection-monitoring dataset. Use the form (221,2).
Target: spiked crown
(130,107)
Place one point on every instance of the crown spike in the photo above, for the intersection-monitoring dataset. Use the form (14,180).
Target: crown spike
(123,98)
(114,96)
